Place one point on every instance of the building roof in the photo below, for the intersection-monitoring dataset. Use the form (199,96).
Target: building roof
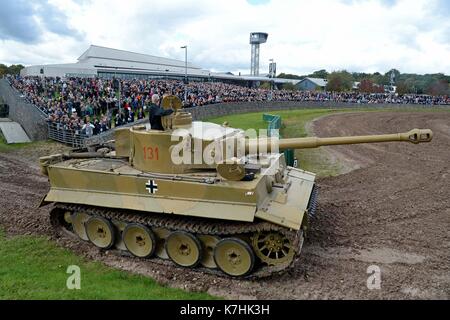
(97,59)
(318,81)
(122,55)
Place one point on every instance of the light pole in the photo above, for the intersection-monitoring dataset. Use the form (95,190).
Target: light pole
(271,68)
(185,63)
(185,71)
(271,75)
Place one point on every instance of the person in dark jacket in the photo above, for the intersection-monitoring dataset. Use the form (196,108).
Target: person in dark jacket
(156,112)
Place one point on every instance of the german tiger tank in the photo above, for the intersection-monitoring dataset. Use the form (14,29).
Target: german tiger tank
(199,195)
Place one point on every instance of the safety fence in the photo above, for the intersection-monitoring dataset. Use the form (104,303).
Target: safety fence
(273,130)
(74,138)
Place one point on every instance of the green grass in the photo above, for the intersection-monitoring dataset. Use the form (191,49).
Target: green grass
(294,124)
(4,147)
(35,268)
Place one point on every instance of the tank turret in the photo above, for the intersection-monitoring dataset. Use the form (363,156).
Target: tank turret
(186,147)
(202,195)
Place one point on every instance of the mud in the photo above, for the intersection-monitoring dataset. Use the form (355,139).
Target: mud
(391,209)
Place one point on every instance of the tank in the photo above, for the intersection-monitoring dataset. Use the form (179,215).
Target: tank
(196,195)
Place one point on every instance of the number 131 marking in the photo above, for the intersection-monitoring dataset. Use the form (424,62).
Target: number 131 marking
(151,153)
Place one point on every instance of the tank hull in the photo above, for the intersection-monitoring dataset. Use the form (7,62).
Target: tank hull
(111,183)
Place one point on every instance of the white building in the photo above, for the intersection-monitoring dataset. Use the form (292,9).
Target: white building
(107,63)
(101,61)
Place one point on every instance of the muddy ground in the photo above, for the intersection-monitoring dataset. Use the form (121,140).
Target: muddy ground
(392,211)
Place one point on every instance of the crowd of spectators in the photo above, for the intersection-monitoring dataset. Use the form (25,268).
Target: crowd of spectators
(91,106)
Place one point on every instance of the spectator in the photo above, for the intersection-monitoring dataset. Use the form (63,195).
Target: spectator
(88,128)
(69,102)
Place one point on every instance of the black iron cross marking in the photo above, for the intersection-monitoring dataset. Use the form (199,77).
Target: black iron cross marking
(152,186)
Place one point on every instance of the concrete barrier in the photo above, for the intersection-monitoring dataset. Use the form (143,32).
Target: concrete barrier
(223,109)
(28,116)
(13,132)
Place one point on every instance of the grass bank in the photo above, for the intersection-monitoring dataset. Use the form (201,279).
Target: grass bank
(35,268)
(4,147)
(295,125)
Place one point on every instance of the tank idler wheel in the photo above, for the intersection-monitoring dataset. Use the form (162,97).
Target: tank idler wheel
(184,249)
(79,220)
(234,257)
(139,240)
(161,237)
(209,243)
(273,248)
(100,232)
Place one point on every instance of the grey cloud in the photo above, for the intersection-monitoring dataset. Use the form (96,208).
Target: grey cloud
(55,21)
(19,21)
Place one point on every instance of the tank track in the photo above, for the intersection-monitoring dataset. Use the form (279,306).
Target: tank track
(312,206)
(219,228)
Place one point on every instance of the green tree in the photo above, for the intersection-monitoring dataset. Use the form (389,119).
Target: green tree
(265,85)
(379,79)
(323,74)
(15,69)
(289,76)
(340,81)
(387,75)
(403,87)
(289,86)
(3,69)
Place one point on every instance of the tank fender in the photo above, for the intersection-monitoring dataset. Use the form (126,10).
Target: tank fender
(43,202)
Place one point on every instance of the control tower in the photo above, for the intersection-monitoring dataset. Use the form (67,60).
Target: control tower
(256,38)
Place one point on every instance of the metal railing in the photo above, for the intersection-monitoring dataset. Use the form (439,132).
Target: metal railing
(74,138)
(20,97)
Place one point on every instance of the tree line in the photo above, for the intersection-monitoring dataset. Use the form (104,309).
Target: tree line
(12,69)
(341,81)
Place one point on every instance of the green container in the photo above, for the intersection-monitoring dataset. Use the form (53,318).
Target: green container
(275,124)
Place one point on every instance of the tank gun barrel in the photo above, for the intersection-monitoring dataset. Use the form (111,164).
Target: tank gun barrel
(414,136)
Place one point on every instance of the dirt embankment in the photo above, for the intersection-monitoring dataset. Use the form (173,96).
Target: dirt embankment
(393,211)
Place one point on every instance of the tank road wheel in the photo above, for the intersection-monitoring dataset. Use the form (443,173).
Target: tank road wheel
(209,243)
(273,248)
(68,217)
(78,222)
(161,237)
(139,240)
(184,249)
(234,257)
(100,232)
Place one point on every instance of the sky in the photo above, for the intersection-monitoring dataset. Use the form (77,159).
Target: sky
(412,36)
